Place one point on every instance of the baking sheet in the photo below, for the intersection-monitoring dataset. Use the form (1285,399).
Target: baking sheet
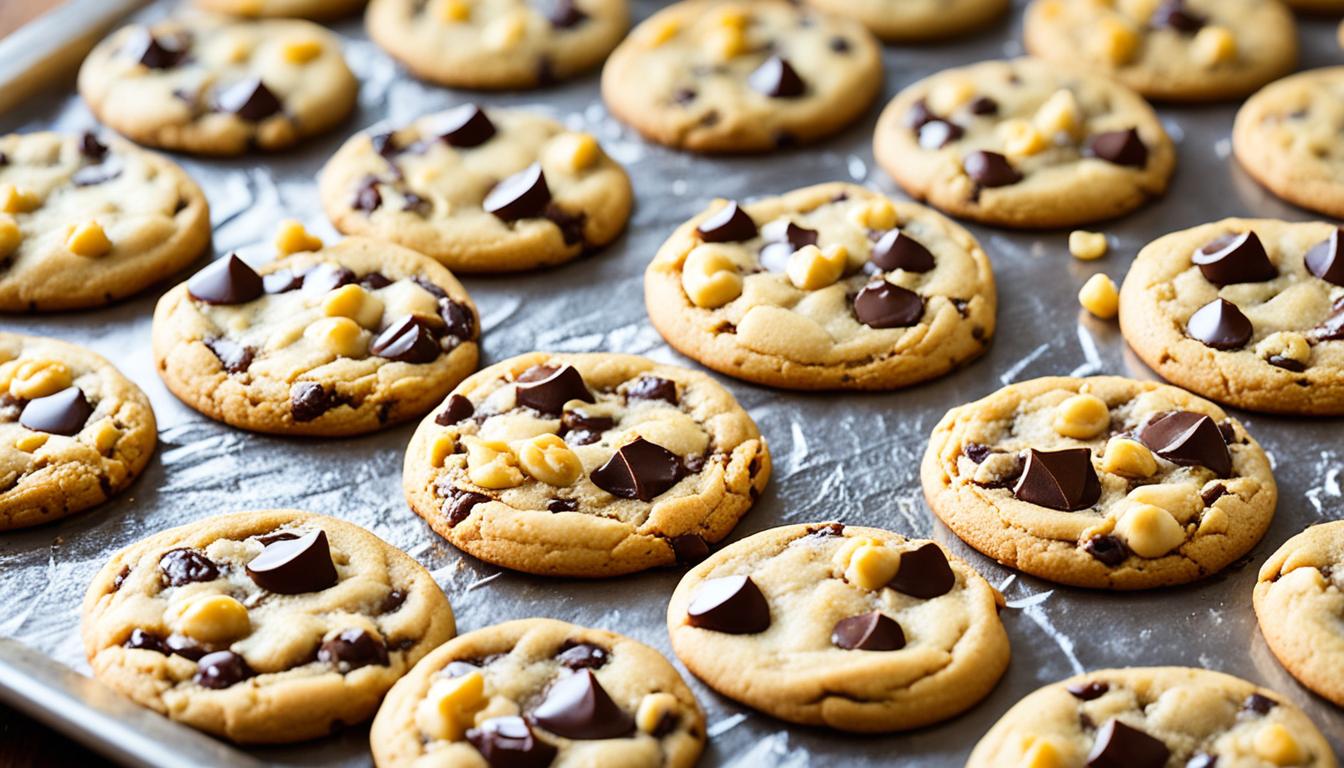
(841,456)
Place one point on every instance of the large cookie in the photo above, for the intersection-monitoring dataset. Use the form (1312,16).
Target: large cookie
(262,627)
(304,9)
(481,191)
(83,223)
(585,464)
(853,628)
(73,431)
(827,287)
(539,692)
(1024,143)
(723,76)
(1249,312)
(1101,482)
(916,20)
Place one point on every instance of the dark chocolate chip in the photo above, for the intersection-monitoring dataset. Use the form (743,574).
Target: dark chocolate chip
(870,631)
(638,470)
(1108,550)
(185,647)
(281,281)
(549,393)
(983,105)
(1212,494)
(457,409)
(897,250)
(120,578)
(374,280)
(1202,760)
(458,320)
(225,281)
(186,566)
(233,356)
(221,669)
(409,340)
(733,605)
(564,14)
(689,548)
(63,413)
(937,133)
(1332,329)
(652,388)
(91,148)
(393,601)
(464,126)
(1286,363)
(508,742)
(367,197)
(1237,258)
(976,452)
(562,505)
(1063,480)
(684,96)
(580,428)
(385,144)
(295,566)
(1122,746)
(144,641)
(413,203)
(309,400)
(1175,15)
(840,45)
(1259,704)
(327,277)
(990,169)
(777,79)
(460,503)
(583,656)
(1119,147)
(918,115)
(1221,325)
(1089,690)
(1188,439)
(249,99)
(155,52)
(729,224)
(578,707)
(1325,259)
(924,573)
(883,305)
(524,195)
(784,237)
(825,531)
(351,649)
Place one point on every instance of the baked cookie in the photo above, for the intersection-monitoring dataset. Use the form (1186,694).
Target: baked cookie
(916,20)
(336,340)
(73,431)
(497,44)
(303,9)
(1174,50)
(214,85)
(261,627)
(858,629)
(1152,717)
(828,287)
(1024,143)
(1316,6)
(84,223)
(724,76)
(539,692)
(496,190)
(1249,312)
(1101,482)
(585,464)
(1299,600)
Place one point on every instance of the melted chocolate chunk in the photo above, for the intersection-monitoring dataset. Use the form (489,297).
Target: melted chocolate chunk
(564,14)
(562,505)
(409,340)
(1108,550)
(1332,329)
(460,503)
(938,133)
(1119,147)
(652,388)
(1202,760)
(1122,746)
(870,631)
(689,548)
(1237,258)
(990,169)
(524,195)
(976,452)
(225,281)
(233,356)
(1286,363)
(325,278)
(1175,15)
(579,428)
(1188,439)
(570,224)
(221,669)
(733,605)
(1325,259)
(924,573)
(1063,480)
(144,641)
(385,144)
(295,566)
(840,45)
(464,126)
(1259,704)
(777,79)
(394,600)
(578,707)
(249,99)
(155,52)
(1089,690)
(63,413)
(782,242)
(1220,324)
(367,197)
(508,742)
(1212,494)
(583,656)
(459,322)
(897,250)
(184,647)
(120,578)
(352,649)
(186,566)
(983,105)
(91,148)
(549,395)
(918,115)
(281,281)
(881,304)
(729,224)
(458,409)
(374,280)
(308,400)
(638,470)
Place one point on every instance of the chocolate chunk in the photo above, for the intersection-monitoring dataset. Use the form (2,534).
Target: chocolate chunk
(460,503)
(416,204)
(729,224)
(583,656)
(562,505)
(1122,746)
(1325,261)
(367,197)
(897,250)
(225,281)
(144,641)
(281,281)
(868,632)
(1089,690)
(580,428)
(1063,480)
(185,647)
(652,388)
(777,79)
(508,742)
(1212,494)
(733,605)
(374,280)
(983,105)
(523,195)
(1221,325)
(155,52)
(186,566)
(1108,550)
(840,45)
(221,669)
(1332,329)
(883,305)
(385,144)
(63,413)
(325,278)
(1202,760)
(249,99)
(457,409)
(352,649)
(578,707)
(684,96)
(990,169)
(564,14)
(1175,15)
(638,470)
(548,395)
(295,566)
(409,340)
(1188,439)
(1235,259)
(309,400)
(918,115)
(233,356)
(937,133)
(464,126)
(1286,363)
(120,578)
(689,548)
(1119,147)
(976,452)
(459,322)
(393,601)
(783,241)
(570,224)
(1258,704)
(924,573)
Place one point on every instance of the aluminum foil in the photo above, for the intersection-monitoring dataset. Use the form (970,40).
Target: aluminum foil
(847,457)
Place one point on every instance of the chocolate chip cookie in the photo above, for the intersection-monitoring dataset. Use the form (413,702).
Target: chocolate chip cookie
(1101,482)
(304,9)
(336,340)
(73,431)
(725,76)
(1152,717)
(585,464)
(84,221)
(1024,143)
(1249,312)
(496,190)
(858,629)
(828,287)
(261,627)
(539,692)
(916,20)
(215,85)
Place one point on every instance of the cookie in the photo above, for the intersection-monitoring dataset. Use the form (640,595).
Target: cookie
(213,85)
(716,76)
(857,629)
(336,340)
(1024,143)
(304,9)
(261,627)
(538,692)
(73,431)
(84,223)
(585,464)
(1173,50)
(1249,312)
(1299,600)
(1152,717)
(1101,482)
(496,190)
(497,45)
(917,20)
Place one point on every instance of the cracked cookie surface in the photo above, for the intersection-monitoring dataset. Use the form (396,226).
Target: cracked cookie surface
(304,9)
(916,20)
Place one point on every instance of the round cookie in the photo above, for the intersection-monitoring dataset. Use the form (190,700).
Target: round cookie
(857,629)
(261,627)
(1152,717)
(585,464)
(1259,324)
(1101,482)
(1173,50)
(304,9)
(916,20)
(84,223)
(73,431)
(1299,600)
(481,191)
(497,44)
(723,76)
(337,340)
(1024,143)
(213,85)
(538,692)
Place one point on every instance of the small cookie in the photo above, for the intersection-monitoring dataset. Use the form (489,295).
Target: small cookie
(73,431)
(1249,312)
(1152,717)
(857,629)
(336,340)
(1299,600)
(916,20)
(84,223)
(506,44)
(828,287)
(303,9)
(481,191)
(1102,482)
(261,627)
(585,464)
(212,85)
(1022,143)
(723,76)
(539,692)
(1174,50)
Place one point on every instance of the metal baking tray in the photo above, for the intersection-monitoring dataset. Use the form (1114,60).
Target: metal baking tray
(851,457)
